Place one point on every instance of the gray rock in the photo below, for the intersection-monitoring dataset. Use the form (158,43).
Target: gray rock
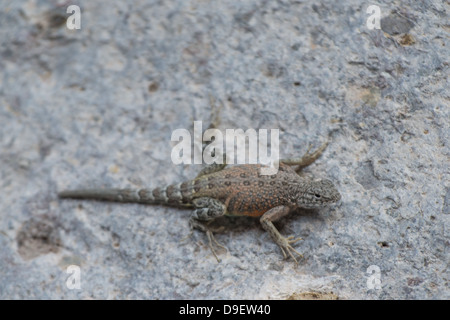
(396,24)
(97,106)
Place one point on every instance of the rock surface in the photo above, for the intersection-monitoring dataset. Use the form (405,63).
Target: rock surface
(97,106)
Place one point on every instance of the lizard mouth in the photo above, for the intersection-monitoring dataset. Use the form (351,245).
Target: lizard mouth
(337,197)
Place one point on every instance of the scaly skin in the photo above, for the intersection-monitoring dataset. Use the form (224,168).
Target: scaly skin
(238,190)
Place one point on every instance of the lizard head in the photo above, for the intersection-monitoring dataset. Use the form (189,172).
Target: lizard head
(318,194)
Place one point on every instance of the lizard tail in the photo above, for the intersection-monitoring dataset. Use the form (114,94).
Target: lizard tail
(119,195)
(170,195)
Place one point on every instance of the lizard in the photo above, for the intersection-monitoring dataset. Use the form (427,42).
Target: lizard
(239,190)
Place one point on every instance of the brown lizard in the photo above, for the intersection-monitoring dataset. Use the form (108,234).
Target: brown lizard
(237,190)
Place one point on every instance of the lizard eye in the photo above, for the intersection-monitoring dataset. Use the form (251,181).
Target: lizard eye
(317,195)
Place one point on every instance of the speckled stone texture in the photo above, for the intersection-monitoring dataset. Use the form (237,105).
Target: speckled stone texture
(96,107)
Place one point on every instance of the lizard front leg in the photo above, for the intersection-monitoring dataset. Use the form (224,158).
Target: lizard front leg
(215,120)
(284,243)
(207,209)
(307,159)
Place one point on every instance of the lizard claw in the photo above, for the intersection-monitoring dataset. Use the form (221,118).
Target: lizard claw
(291,239)
(285,246)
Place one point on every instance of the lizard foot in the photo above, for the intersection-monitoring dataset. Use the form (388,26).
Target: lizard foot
(211,240)
(203,226)
(285,246)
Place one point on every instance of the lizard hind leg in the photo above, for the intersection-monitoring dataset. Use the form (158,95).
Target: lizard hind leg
(206,210)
